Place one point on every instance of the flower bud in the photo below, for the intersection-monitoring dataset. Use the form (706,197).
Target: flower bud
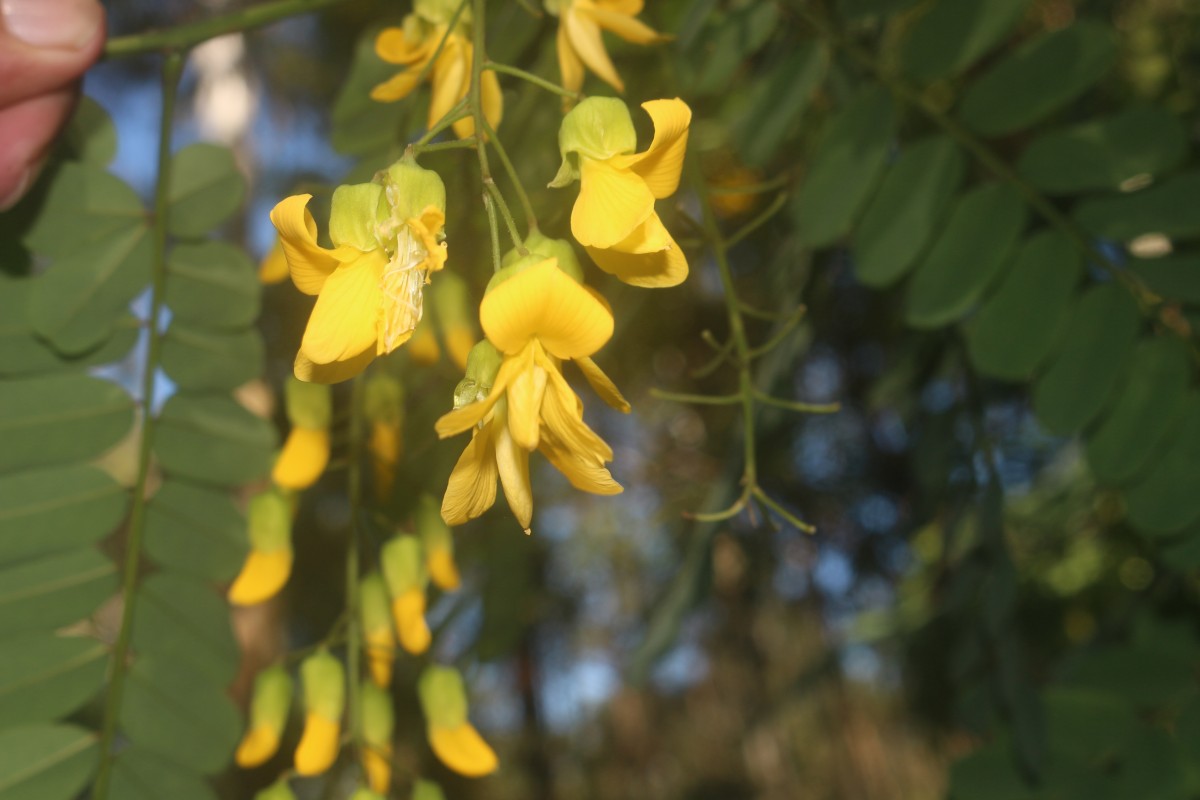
(406,579)
(324,700)
(308,405)
(279,790)
(454,740)
(378,723)
(354,216)
(483,363)
(427,790)
(384,410)
(438,543)
(269,705)
(598,128)
(376,618)
(269,562)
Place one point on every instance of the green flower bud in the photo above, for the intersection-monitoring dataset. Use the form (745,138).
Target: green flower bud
(433,530)
(384,399)
(324,681)
(277,791)
(272,698)
(366,794)
(443,697)
(427,790)
(598,128)
(482,365)
(378,719)
(410,189)
(374,607)
(353,218)
(440,12)
(270,519)
(308,405)
(553,7)
(537,243)
(403,566)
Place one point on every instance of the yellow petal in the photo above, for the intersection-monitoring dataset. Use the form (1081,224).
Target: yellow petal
(381,653)
(394,47)
(274,266)
(602,384)
(661,164)
(463,750)
(472,487)
(377,763)
(310,264)
(335,372)
(492,99)
(318,746)
(257,746)
(512,463)
(423,347)
(470,415)
(397,87)
(261,578)
(302,460)
(569,64)
(564,420)
(630,8)
(544,303)
(525,397)
(584,34)
(624,25)
(442,569)
(386,442)
(408,611)
(345,320)
(583,473)
(612,202)
(451,79)
(639,261)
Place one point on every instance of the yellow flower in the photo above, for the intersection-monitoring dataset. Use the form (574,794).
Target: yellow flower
(269,562)
(377,725)
(369,286)
(268,714)
(324,700)
(406,578)
(614,217)
(453,738)
(580,42)
(375,616)
(306,451)
(384,409)
(536,318)
(413,46)
(437,541)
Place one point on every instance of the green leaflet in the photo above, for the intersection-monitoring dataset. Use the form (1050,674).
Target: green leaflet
(909,206)
(45,762)
(1095,349)
(53,591)
(206,188)
(953,34)
(83,204)
(200,359)
(778,103)
(139,774)
(181,617)
(58,508)
(1166,500)
(361,125)
(213,285)
(60,418)
(1175,277)
(1018,327)
(1105,153)
(212,439)
(1040,77)
(977,239)
(845,166)
(730,41)
(195,529)
(1168,208)
(44,677)
(1151,395)
(90,136)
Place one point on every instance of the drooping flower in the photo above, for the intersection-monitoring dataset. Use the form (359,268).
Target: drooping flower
(580,43)
(438,543)
(453,738)
(375,616)
(369,286)
(305,453)
(413,46)
(614,217)
(536,316)
(269,562)
(377,724)
(324,700)
(406,578)
(268,714)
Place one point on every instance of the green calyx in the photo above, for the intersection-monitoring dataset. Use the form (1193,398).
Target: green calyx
(435,533)
(273,689)
(403,565)
(308,405)
(427,790)
(354,216)
(270,518)
(384,398)
(377,717)
(409,189)
(324,681)
(539,244)
(598,128)
(277,791)
(483,362)
(374,608)
(443,697)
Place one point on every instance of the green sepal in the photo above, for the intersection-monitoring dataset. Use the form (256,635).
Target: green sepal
(353,218)
(409,189)
(377,716)
(427,790)
(270,520)
(374,608)
(280,790)
(403,565)
(598,128)
(384,401)
(518,265)
(324,681)
(272,699)
(308,405)
(537,243)
(483,362)
(443,697)
(435,533)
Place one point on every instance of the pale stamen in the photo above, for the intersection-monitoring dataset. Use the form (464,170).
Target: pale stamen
(402,283)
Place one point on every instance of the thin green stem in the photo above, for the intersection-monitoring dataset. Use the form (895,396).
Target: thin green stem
(171,69)
(784,331)
(491,194)
(767,501)
(493,229)
(182,37)
(531,223)
(457,112)
(752,188)
(750,227)
(510,224)
(516,72)
(698,399)
(437,51)
(795,405)
(353,631)
(454,144)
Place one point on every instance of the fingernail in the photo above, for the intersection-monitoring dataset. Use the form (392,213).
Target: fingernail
(13,197)
(68,24)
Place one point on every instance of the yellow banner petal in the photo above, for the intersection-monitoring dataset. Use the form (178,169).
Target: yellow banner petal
(345,320)
(544,303)
(612,203)
(310,264)
(394,47)
(662,163)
